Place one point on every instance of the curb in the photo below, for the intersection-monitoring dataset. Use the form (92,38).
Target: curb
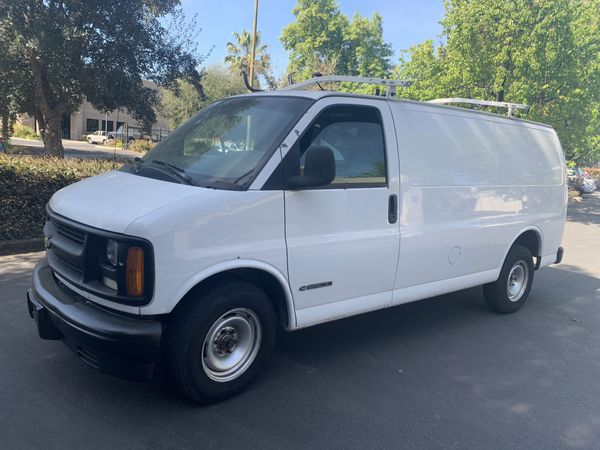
(21,246)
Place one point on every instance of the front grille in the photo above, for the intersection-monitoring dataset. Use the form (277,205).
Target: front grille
(73,266)
(68,231)
(66,248)
(76,254)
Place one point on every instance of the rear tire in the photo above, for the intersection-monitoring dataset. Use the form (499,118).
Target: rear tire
(217,342)
(509,293)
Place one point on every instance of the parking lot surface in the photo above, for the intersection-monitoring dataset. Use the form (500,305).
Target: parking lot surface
(78,149)
(441,373)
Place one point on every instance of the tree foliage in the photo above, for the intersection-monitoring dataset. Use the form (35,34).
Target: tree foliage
(181,103)
(100,51)
(544,54)
(424,65)
(16,84)
(316,37)
(239,54)
(367,53)
(323,39)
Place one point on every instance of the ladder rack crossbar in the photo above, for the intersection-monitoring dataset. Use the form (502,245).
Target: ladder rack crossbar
(316,81)
(510,106)
(390,90)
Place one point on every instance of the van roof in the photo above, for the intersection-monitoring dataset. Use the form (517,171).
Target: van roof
(319,94)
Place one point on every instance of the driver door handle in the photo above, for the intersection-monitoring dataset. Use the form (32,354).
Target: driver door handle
(393,209)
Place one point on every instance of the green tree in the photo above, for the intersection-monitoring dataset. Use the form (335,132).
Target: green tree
(586,31)
(367,54)
(544,54)
(323,39)
(181,103)
(16,85)
(101,51)
(239,54)
(316,38)
(7,88)
(423,64)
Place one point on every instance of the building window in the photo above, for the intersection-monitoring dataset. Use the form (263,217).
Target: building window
(91,125)
(119,125)
(110,125)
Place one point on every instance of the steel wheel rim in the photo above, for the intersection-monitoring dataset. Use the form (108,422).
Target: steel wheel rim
(517,281)
(231,345)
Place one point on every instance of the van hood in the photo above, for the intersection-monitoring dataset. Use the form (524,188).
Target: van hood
(113,200)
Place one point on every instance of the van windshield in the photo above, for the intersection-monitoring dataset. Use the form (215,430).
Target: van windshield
(227,143)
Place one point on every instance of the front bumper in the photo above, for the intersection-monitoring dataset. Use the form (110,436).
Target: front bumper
(124,346)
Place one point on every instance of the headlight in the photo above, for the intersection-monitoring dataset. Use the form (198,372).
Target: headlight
(112,251)
(124,267)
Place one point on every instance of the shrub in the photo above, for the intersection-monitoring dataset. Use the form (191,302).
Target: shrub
(114,143)
(24,132)
(141,146)
(28,182)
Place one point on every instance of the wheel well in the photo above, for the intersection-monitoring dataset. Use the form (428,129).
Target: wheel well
(530,239)
(264,280)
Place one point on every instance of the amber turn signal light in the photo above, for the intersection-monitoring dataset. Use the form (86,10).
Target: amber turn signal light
(134,272)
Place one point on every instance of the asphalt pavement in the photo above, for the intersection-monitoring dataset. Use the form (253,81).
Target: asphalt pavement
(440,373)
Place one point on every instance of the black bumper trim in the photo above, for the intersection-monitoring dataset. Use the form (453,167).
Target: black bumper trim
(124,346)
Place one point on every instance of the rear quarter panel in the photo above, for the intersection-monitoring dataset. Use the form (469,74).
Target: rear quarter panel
(470,185)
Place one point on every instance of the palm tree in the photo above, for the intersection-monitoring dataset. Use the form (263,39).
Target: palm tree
(240,54)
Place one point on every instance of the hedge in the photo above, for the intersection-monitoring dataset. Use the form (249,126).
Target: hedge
(28,182)
(141,146)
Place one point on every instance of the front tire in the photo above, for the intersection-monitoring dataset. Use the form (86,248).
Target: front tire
(509,293)
(217,342)
(89,140)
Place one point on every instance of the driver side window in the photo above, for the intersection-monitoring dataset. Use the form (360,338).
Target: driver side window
(355,136)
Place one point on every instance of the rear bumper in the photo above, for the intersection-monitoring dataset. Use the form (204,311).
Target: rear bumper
(124,346)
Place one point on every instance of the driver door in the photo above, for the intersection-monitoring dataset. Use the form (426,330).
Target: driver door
(343,238)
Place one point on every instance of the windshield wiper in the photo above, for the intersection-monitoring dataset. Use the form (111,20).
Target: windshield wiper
(244,175)
(177,171)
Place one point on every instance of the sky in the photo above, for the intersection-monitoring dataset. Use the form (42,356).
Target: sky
(405,23)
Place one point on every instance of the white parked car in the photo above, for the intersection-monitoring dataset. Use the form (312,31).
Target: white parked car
(97,137)
(336,205)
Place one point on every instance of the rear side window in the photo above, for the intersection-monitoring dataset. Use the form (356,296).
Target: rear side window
(355,136)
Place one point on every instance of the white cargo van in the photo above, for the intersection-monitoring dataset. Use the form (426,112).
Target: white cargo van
(330,205)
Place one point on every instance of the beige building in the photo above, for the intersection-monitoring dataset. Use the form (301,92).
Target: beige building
(88,119)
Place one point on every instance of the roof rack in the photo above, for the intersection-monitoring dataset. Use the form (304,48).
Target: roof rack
(317,80)
(511,106)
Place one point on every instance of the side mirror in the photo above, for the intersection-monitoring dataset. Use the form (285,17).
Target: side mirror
(319,169)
